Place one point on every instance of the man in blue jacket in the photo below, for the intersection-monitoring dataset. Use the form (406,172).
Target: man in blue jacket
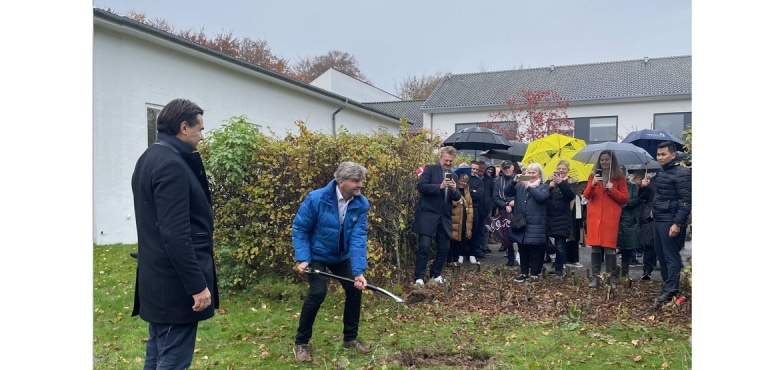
(671,208)
(176,281)
(330,231)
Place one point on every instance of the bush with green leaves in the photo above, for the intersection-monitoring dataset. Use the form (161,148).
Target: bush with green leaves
(258,182)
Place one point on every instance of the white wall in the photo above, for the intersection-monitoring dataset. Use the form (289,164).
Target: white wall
(342,84)
(129,73)
(631,115)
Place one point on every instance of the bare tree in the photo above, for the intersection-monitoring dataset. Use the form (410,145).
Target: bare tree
(412,88)
(253,51)
(307,69)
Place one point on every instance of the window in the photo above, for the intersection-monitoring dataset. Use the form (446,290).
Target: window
(151,123)
(673,123)
(595,129)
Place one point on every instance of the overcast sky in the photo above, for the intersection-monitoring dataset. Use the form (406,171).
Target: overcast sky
(395,39)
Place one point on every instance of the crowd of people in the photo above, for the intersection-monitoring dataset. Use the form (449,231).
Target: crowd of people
(615,212)
(459,210)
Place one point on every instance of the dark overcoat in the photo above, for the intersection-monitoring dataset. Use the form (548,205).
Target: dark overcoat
(175,225)
(559,209)
(432,209)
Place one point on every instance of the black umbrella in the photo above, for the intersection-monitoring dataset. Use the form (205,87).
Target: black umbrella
(477,138)
(515,153)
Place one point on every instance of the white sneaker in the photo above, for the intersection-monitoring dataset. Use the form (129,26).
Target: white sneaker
(439,279)
(419,282)
(473,260)
(460,260)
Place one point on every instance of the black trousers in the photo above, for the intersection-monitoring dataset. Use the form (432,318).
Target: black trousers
(318,288)
(531,258)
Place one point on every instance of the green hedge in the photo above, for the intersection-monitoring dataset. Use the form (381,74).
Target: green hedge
(258,181)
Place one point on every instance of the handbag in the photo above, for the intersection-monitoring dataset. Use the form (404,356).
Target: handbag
(518,222)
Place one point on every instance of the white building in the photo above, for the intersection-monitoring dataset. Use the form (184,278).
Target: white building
(606,100)
(137,69)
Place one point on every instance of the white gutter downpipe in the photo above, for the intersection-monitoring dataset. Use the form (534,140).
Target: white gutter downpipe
(337,112)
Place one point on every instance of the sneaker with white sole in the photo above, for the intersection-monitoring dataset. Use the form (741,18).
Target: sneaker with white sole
(439,279)
(473,260)
(575,265)
(419,282)
(521,278)
(460,260)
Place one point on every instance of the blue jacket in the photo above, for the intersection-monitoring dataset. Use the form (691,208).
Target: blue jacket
(315,229)
(533,202)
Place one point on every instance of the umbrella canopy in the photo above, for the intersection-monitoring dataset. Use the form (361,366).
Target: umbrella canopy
(477,138)
(649,139)
(551,149)
(515,153)
(625,154)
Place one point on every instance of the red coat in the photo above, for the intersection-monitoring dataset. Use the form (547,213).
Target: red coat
(604,210)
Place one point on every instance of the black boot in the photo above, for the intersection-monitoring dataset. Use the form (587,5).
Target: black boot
(611,269)
(624,263)
(595,267)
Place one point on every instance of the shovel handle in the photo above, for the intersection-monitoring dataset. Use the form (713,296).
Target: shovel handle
(368,286)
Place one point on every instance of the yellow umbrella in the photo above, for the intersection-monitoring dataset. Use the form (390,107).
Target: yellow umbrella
(549,150)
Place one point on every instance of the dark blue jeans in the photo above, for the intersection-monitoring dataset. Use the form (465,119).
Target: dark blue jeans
(667,249)
(170,346)
(318,288)
(424,246)
(560,254)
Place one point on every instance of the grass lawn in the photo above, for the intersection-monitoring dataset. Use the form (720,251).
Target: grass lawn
(255,329)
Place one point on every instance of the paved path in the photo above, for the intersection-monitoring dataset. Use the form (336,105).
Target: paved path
(496,259)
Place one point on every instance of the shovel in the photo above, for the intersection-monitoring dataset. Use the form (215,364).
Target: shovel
(369,286)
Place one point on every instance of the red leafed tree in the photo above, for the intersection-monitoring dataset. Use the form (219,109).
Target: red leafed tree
(531,115)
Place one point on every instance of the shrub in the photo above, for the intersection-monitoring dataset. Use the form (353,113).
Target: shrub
(258,181)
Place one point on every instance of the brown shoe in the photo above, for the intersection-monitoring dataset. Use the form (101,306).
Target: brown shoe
(301,352)
(355,344)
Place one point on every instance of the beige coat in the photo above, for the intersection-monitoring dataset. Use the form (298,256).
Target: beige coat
(459,212)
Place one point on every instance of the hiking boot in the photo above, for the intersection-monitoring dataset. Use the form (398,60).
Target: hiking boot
(357,345)
(301,352)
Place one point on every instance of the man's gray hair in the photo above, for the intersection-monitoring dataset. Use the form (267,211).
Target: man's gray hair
(350,170)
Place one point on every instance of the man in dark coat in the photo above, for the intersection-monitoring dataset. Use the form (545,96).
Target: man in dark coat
(176,281)
(487,205)
(477,189)
(671,208)
(433,217)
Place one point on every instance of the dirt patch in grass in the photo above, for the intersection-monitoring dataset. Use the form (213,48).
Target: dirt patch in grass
(428,357)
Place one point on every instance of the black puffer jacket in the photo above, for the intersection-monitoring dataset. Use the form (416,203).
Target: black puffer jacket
(672,201)
(559,209)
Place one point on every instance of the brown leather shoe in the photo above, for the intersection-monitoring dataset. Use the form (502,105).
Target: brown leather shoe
(301,352)
(355,344)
